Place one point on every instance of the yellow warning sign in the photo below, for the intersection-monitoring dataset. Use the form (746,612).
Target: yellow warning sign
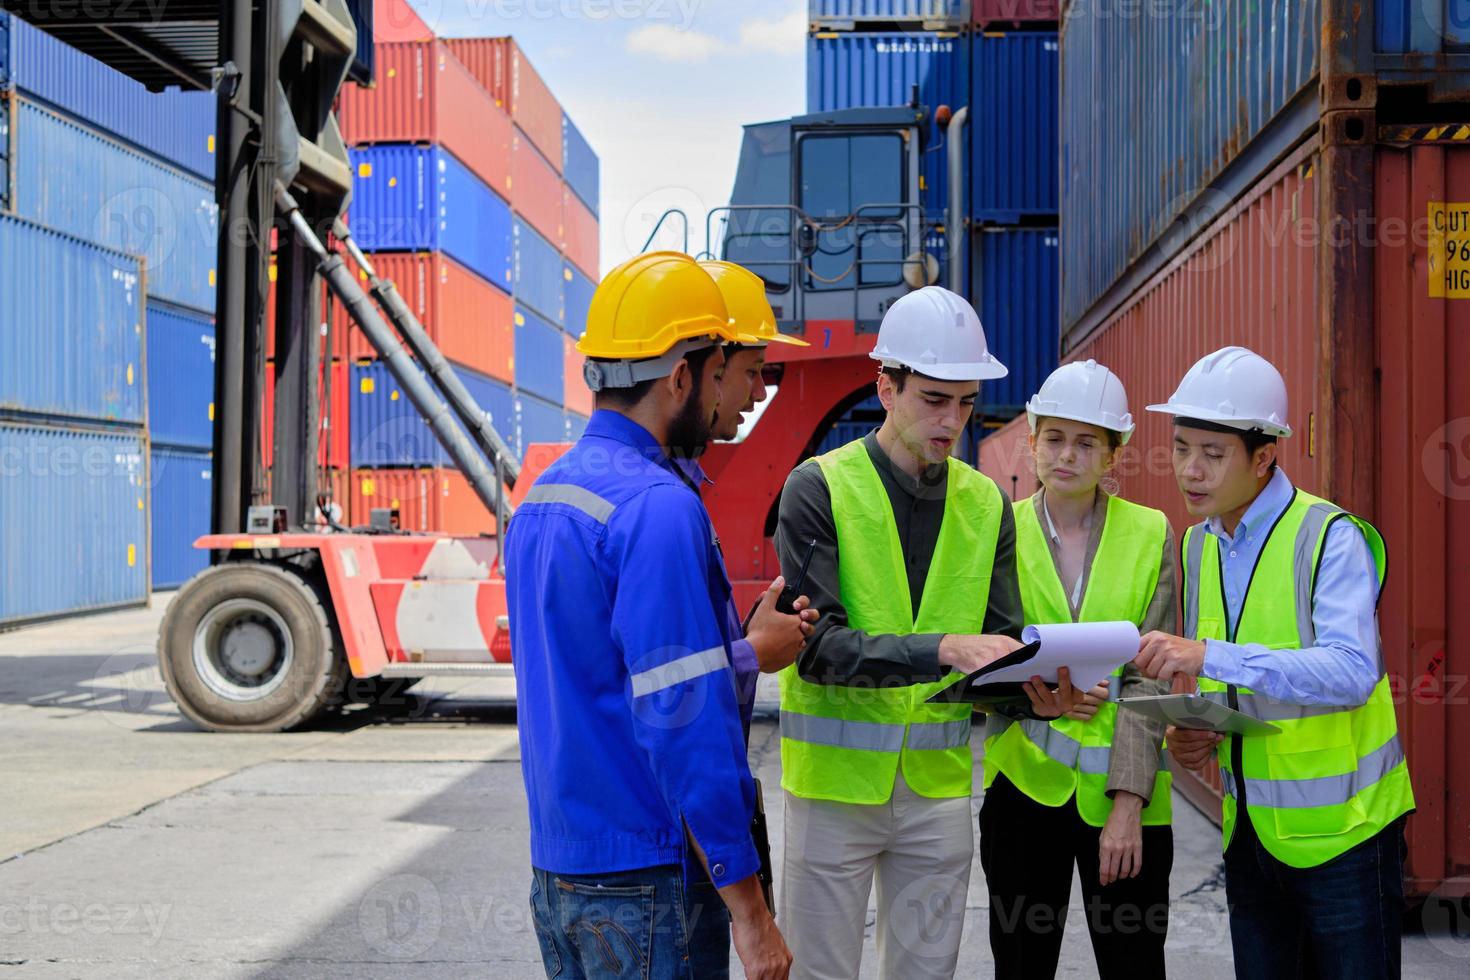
(1449,249)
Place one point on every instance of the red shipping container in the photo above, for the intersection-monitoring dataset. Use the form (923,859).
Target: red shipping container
(1001,12)
(503,69)
(576,395)
(1005,457)
(395,20)
(339,337)
(465,316)
(333,441)
(433,499)
(580,238)
(424,95)
(535,190)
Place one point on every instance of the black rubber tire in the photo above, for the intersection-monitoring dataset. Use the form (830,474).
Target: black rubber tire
(314,679)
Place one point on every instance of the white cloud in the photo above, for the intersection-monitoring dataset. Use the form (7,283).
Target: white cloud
(668,43)
(779,35)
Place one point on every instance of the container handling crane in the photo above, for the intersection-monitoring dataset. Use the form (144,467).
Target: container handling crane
(296,608)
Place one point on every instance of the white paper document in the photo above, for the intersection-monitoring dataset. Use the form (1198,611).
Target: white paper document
(1091,651)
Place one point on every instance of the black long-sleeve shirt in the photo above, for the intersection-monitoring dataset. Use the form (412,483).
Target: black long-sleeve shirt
(836,653)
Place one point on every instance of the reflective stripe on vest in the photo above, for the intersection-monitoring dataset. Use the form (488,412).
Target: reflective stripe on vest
(1054,762)
(1335,775)
(846,744)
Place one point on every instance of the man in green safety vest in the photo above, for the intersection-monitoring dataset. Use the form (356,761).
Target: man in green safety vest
(914,573)
(1280,622)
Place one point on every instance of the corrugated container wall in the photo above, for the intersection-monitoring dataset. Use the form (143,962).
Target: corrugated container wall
(539,281)
(421,199)
(537,420)
(1182,96)
(1013,126)
(847,14)
(849,71)
(79,182)
(71,326)
(179,516)
(578,290)
(433,499)
(1421,26)
(424,95)
(502,68)
(333,436)
(180,377)
(581,235)
(73,506)
(540,356)
(576,424)
(174,125)
(1017,272)
(534,190)
(577,397)
(388,431)
(1000,13)
(469,320)
(1005,457)
(579,165)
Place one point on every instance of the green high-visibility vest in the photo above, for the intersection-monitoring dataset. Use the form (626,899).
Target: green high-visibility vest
(846,743)
(1334,776)
(1052,762)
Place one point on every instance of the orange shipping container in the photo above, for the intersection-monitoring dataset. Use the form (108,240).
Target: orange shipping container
(436,499)
(575,394)
(502,67)
(580,238)
(467,317)
(1005,457)
(338,339)
(332,440)
(534,189)
(424,95)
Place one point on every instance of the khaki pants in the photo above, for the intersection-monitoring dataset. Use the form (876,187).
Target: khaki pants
(919,851)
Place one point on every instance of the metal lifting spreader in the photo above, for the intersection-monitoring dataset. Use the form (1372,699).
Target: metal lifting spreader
(489,484)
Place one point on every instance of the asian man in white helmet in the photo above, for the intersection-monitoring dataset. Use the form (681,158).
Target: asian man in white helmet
(1280,622)
(914,575)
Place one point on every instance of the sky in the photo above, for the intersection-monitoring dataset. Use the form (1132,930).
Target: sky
(660,88)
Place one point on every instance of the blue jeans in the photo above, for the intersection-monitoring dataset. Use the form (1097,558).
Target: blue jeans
(1342,919)
(645,924)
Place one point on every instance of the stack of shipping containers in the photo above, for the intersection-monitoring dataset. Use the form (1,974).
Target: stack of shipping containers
(1296,179)
(477,196)
(108,230)
(999,58)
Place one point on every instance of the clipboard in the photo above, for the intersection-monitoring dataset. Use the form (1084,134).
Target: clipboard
(974,690)
(1198,713)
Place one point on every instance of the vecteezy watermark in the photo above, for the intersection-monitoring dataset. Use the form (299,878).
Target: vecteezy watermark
(401,916)
(679,13)
(35,917)
(1446,459)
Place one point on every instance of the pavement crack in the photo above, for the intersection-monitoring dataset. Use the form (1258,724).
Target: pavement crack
(1214,883)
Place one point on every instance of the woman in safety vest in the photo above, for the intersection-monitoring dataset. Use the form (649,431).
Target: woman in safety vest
(1087,788)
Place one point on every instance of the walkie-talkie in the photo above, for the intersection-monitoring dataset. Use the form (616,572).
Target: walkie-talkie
(786,601)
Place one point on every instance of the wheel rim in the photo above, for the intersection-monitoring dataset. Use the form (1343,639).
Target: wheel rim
(243,650)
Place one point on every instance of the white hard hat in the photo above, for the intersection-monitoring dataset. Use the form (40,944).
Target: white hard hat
(1233,387)
(1083,391)
(936,333)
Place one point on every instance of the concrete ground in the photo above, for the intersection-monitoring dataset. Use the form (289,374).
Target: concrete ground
(386,843)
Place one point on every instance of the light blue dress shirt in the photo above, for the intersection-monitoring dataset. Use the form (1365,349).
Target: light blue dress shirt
(1344,666)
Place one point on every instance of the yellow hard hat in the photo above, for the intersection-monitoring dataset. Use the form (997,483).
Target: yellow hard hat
(745,298)
(650,303)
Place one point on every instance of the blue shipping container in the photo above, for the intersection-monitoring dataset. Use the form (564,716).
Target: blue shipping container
(537,420)
(580,166)
(575,426)
(538,273)
(182,492)
(578,291)
(539,356)
(77,181)
(74,521)
(174,125)
(930,14)
(387,431)
(1016,282)
(181,377)
(1013,126)
(1153,110)
(421,199)
(855,71)
(1422,26)
(71,326)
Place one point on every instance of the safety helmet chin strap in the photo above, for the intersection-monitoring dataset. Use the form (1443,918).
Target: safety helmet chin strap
(601,375)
